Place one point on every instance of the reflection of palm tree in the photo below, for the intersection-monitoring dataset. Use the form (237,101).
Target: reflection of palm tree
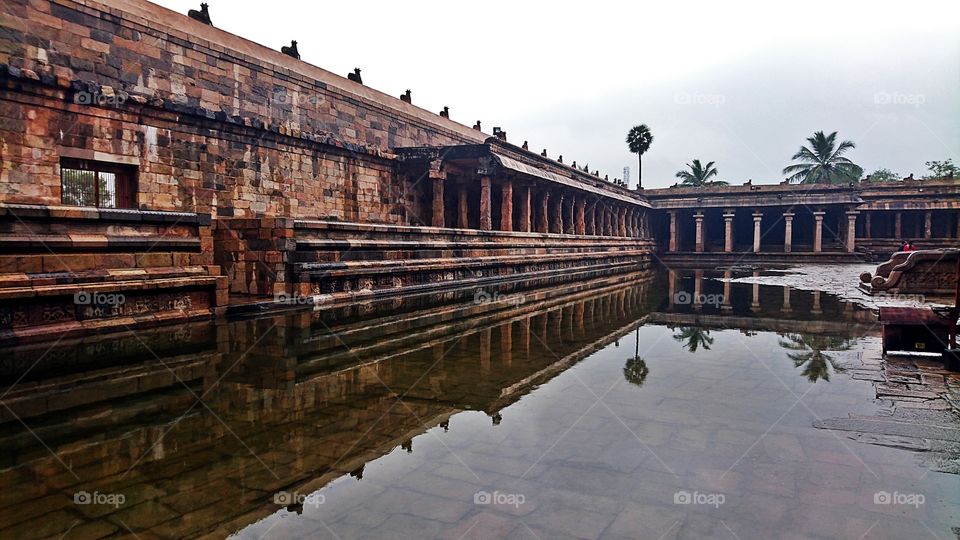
(809,351)
(694,337)
(635,371)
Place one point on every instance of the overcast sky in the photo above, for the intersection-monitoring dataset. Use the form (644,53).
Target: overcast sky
(739,83)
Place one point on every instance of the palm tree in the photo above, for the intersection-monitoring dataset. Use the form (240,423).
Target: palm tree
(700,175)
(809,351)
(823,162)
(693,338)
(639,140)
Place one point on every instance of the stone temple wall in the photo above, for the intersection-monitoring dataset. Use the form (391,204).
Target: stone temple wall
(216,124)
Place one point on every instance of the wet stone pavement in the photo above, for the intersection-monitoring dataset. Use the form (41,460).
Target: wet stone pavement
(645,406)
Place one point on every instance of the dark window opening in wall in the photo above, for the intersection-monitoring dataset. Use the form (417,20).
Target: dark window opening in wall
(94,183)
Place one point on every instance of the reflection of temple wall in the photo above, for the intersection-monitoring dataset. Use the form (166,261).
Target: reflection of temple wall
(305,412)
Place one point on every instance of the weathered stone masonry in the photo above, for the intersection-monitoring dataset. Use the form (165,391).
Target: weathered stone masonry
(292,172)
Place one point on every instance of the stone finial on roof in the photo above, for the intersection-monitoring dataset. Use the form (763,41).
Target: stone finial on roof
(445,112)
(544,153)
(560,159)
(477,126)
(406,97)
(355,76)
(203,15)
(291,51)
(525,145)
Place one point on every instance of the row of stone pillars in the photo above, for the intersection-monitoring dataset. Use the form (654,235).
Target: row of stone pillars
(898,232)
(558,212)
(788,216)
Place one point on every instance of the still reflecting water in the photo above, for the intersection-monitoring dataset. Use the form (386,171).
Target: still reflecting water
(660,405)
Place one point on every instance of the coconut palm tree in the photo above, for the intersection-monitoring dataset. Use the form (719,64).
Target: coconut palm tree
(811,351)
(693,338)
(639,140)
(823,162)
(699,175)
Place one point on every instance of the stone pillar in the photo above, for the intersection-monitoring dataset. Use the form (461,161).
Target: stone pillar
(543,220)
(867,225)
(463,212)
(728,215)
(851,230)
(757,218)
(787,232)
(525,209)
(557,225)
(898,226)
(927,225)
(569,211)
(673,231)
(438,176)
(581,225)
(818,231)
(698,218)
(486,221)
(957,235)
(506,206)
(592,219)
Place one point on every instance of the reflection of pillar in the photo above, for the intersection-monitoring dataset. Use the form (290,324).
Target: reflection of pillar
(438,176)
(697,289)
(578,312)
(927,225)
(543,220)
(581,222)
(673,230)
(726,306)
(671,286)
(506,206)
(818,231)
(506,343)
(851,230)
(485,337)
(787,232)
(463,219)
(816,303)
(867,225)
(525,209)
(757,216)
(486,222)
(526,337)
(786,298)
(755,302)
(698,237)
(728,215)
(898,225)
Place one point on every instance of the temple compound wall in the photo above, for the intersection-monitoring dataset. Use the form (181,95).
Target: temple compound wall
(156,168)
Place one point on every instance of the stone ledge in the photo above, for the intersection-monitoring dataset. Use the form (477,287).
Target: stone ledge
(43,211)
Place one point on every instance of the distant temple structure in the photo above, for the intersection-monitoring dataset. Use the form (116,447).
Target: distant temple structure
(155,168)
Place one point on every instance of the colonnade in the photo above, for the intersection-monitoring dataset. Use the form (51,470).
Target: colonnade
(848,227)
(526,206)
